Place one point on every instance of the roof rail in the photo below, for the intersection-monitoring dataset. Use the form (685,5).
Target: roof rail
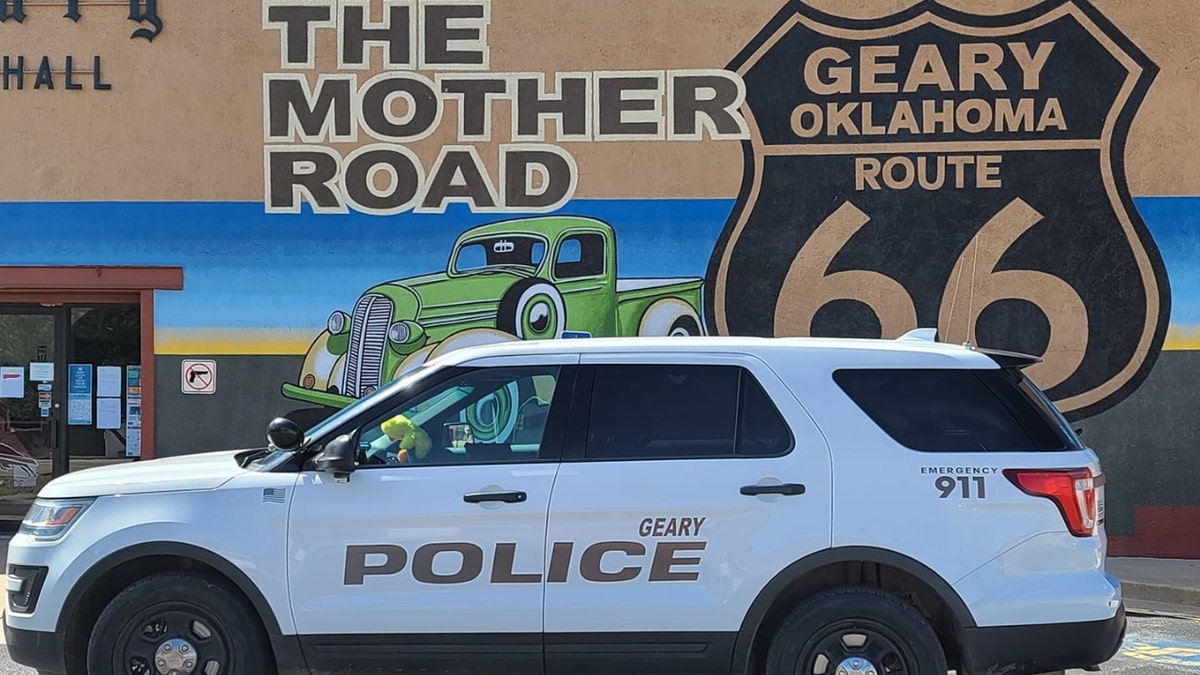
(1003,358)
(1009,359)
(920,335)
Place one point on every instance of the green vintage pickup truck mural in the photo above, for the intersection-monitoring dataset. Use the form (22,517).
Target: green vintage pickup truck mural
(526,279)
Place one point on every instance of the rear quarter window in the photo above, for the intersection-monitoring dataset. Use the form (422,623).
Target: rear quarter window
(958,410)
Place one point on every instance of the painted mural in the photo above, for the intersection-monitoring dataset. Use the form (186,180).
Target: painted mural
(937,168)
(927,168)
(356,186)
(527,279)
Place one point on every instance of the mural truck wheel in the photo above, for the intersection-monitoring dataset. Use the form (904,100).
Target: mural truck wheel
(465,338)
(413,361)
(469,338)
(670,316)
(685,326)
(532,310)
(494,416)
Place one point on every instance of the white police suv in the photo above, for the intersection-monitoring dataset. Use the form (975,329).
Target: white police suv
(578,507)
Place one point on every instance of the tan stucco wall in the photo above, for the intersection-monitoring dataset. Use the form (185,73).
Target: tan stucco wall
(184,118)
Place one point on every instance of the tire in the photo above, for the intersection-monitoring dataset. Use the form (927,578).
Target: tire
(685,326)
(532,309)
(813,637)
(169,605)
(671,317)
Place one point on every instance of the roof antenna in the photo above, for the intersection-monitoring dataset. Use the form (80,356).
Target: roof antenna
(953,302)
(971,297)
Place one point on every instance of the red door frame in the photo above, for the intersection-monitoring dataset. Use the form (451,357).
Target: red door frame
(100,284)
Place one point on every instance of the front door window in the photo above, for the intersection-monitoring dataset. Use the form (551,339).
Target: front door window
(488,415)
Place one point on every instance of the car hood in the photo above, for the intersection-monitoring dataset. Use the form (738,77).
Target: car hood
(203,471)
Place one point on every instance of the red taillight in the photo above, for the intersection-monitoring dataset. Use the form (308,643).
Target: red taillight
(1074,491)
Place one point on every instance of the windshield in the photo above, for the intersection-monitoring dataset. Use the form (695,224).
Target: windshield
(271,460)
(499,252)
(334,420)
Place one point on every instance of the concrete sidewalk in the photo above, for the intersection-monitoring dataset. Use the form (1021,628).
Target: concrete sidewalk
(1172,582)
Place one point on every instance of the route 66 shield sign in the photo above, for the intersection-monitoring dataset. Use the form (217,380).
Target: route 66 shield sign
(936,168)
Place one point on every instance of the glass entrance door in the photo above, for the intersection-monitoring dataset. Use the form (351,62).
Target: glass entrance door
(70,394)
(30,419)
(104,340)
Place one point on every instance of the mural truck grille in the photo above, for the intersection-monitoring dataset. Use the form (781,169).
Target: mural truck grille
(368,337)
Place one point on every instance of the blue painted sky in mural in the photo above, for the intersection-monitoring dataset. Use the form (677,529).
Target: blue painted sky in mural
(1174,223)
(234,253)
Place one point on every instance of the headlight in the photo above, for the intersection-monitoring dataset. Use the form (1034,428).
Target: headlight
(399,332)
(337,322)
(49,519)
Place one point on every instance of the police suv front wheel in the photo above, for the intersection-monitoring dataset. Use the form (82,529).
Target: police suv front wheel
(855,631)
(176,623)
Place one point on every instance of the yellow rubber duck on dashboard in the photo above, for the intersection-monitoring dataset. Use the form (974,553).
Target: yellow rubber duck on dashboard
(414,442)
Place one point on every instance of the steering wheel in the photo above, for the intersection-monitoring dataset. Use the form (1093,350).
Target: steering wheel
(389,457)
(369,457)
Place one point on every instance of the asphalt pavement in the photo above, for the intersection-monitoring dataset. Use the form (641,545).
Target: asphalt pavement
(1155,645)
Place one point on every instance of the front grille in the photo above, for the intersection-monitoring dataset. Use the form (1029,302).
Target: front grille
(368,337)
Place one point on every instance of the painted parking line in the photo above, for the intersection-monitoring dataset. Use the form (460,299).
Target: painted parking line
(1163,652)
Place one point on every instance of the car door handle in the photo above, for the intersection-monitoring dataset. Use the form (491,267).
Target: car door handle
(514,497)
(785,489)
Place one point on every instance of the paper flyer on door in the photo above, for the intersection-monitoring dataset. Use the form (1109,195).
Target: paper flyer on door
(79,394)
(108,413)
(108,381)
(12,382)
(41,372)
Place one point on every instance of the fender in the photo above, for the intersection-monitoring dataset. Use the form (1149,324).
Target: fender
(799,569)
(288,656)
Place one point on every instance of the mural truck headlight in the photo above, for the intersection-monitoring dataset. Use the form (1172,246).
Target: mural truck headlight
(338,322)
(399,333)
(405,334)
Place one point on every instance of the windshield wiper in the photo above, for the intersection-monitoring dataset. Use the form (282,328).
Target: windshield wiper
(253,456)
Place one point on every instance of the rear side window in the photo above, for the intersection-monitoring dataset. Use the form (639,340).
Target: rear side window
(958,410)
(761,431)
(657,411)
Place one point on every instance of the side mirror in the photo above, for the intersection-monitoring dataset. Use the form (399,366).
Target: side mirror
(285,434)
(337,458)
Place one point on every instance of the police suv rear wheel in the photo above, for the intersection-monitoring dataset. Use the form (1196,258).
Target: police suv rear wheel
(176,623)
(855,631)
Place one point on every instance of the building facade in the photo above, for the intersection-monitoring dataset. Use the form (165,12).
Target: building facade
(213,213)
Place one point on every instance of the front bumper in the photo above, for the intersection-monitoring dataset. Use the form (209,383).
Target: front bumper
(1042,648)
(298,393)
(44,652)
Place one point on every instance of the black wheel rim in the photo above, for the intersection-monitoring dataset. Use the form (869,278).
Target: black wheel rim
(856,647)
(173,636)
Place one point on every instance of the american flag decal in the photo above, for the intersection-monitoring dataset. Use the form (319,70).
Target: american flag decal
(274,495)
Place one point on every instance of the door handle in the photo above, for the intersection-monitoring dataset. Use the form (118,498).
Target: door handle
(788,489)
(514,497)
